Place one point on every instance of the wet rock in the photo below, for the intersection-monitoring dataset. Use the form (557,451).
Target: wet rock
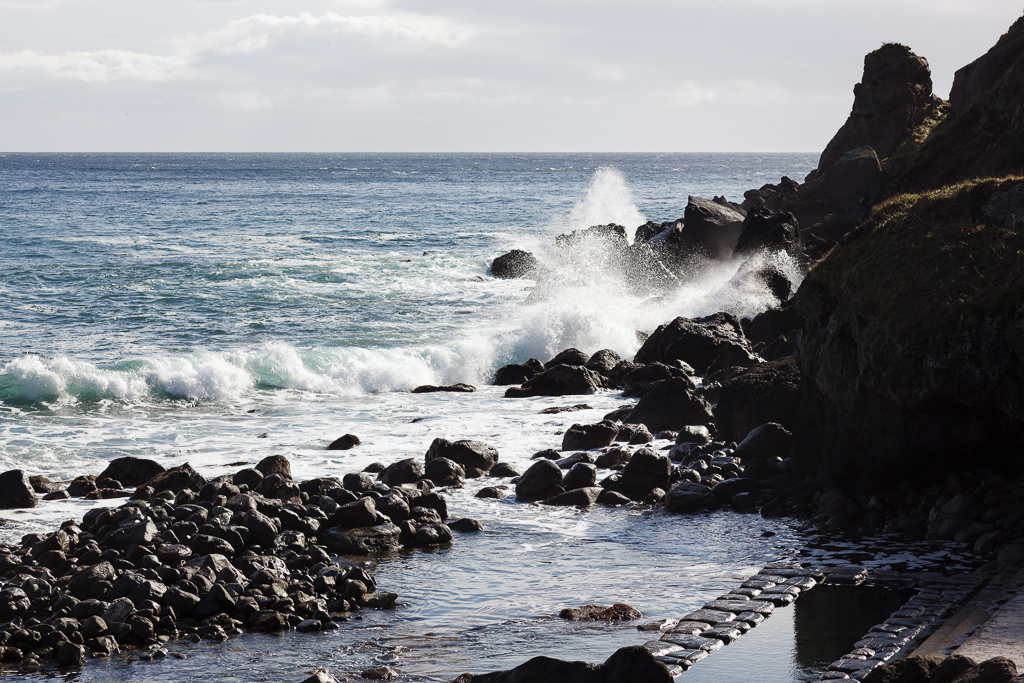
(579,497)
(465,525)
(344,443)
(561,380)
(275,464)
(539,481)
(770,440)
(568,357)
(321,676)
(617,612)
(132,471)
(403,472)
(503,469)
(912,669)
(670,405)
(433,534)
(585,437)
(580,475)
(613,457)
(645,471)
(476,454)
(177,479)
(380,673)
(517,373)
(766,230)
(710,230)
(515,264)
(363,541)
(767,393)
(695,341)
(603,362)
(687,497)
(613,499)
(43,485)
(70,654)
(361,513)
(458,388)
(490,492)
(16,490)
(693,434)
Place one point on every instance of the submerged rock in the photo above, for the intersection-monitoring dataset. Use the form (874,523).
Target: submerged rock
(617,612)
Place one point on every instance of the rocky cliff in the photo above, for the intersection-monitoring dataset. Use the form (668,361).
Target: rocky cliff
(913,344)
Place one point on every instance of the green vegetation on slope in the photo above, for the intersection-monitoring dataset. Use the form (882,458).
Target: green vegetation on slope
(923,260)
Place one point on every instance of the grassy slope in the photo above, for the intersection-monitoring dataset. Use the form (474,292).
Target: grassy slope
(922,260)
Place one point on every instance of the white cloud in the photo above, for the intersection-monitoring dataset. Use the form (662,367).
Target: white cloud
(95,67)
(244,36)
(686,95)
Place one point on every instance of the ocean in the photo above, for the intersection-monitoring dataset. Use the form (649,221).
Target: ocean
(219,308)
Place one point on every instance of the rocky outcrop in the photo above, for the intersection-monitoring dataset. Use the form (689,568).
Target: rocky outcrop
(16,490)
(695,341)
(767,393)
(627,665)
(912,354)
(561,380)
(515,264)
(710,229)
(981,136)
(892,100)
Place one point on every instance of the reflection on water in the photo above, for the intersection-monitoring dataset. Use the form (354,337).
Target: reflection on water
(799,641)
(830,619)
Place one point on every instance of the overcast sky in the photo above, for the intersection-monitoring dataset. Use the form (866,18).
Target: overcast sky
(458,75)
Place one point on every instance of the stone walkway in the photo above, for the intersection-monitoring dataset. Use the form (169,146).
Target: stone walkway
(1003,634)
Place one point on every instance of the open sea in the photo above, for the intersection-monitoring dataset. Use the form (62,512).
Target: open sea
(219,308)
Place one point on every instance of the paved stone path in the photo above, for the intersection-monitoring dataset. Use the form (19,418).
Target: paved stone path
(1002,635)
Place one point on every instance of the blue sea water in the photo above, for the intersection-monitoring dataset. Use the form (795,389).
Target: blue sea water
(219,308)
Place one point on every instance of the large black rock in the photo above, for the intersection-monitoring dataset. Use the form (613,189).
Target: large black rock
(670,405)
(695,341)
(132,471)
(561,380)
(465,452)
(16,490)
(515,264)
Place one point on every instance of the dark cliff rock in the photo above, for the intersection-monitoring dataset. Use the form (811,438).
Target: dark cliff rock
(983,135)
(913,346)
(892,100)
(695,341)
(710,229)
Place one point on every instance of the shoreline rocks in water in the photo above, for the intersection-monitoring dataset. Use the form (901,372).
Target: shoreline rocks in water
(191,558)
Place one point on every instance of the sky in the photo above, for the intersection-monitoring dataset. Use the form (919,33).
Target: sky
(458,75)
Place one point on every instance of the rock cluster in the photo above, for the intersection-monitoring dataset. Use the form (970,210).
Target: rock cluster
(202,559)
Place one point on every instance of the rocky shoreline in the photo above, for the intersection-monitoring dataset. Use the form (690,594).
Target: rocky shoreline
(859,401)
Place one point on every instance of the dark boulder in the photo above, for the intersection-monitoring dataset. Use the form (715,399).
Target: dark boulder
(476,454)
(617,612)
(710,229)
(541,480)
(603,362)
(912,669)
(765,230)
(275,464)
(515,264)
(855,176)
(449,388)
(505,470)
(568,357)
(670,405)
(767,393)
(132,471)
(517,373)
(405,471)
(769,440)
(177,479)
(686,497)
(439,469)
(344,443)
(733,356)
(583,437)
(580,497)
(769,325)
(695,341)
(561,380)
(581,475)
(16,490)
(632,664)
(362,541)
(645,471)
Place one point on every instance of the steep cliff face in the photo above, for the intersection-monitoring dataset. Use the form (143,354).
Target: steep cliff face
(892,101)
(913,346)
(983,135)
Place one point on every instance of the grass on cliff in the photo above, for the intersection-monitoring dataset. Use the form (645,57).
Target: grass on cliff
(923,260)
